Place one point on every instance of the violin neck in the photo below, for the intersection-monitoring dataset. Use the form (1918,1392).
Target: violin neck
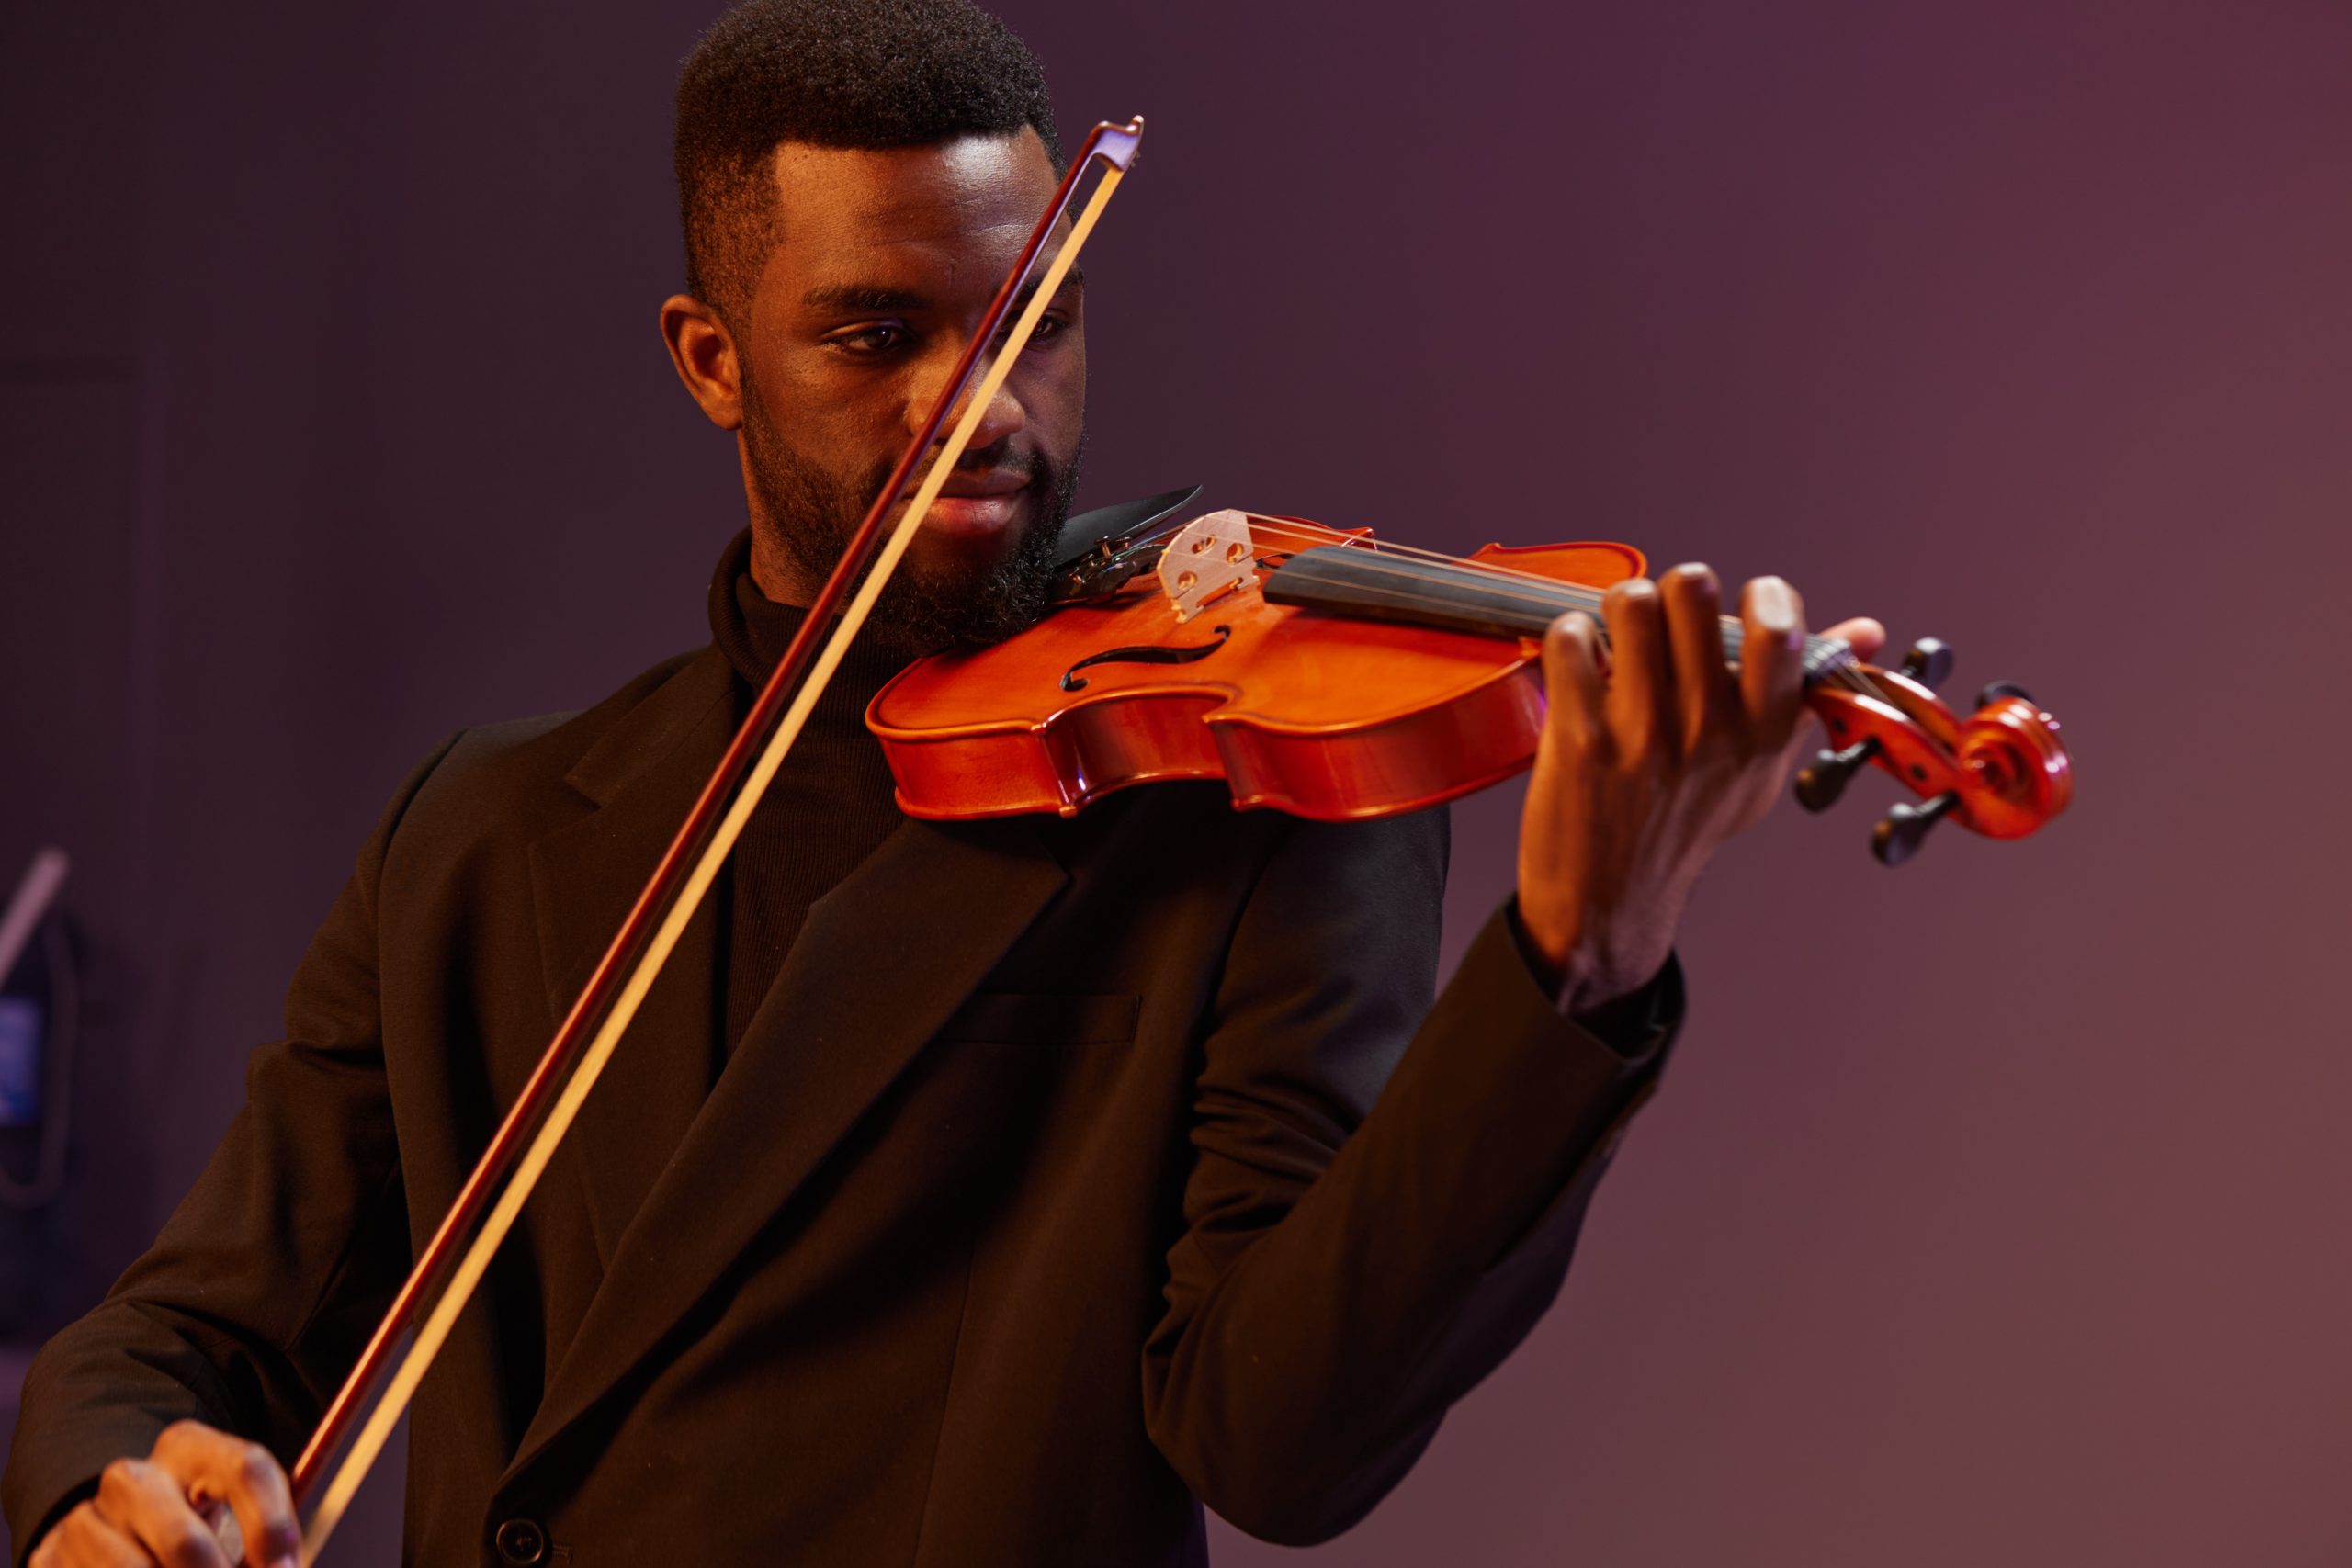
(1367,583)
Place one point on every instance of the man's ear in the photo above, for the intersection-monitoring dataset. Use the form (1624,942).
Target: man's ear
(703,352)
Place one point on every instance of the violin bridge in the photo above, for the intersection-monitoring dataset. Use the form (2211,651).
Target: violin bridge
(1207,558)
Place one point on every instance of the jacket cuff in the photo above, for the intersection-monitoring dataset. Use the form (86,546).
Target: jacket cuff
(1637,1027)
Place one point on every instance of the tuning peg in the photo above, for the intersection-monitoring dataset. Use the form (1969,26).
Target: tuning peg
(1822,781)
(2000,689)
(1905,827)
(1929,662)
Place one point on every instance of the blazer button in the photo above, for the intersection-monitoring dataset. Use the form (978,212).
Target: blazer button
(520,1543)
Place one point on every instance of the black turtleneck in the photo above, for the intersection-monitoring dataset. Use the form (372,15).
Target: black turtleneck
(829,807)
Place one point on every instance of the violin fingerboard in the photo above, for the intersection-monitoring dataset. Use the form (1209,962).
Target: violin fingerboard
(1371,584)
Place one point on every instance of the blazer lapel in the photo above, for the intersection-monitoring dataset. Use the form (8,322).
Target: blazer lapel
(881,963)
(644,774)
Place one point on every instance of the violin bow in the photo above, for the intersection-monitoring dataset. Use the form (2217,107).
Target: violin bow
(568,1069)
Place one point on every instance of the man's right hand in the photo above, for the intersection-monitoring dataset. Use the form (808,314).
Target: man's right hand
(153,1511)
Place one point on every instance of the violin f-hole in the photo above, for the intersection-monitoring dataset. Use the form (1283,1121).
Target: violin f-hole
(1147,654)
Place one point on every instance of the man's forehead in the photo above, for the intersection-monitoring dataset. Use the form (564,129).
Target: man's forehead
(840,206)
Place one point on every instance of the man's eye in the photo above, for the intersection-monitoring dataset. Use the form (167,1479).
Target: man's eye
(881,338)
(1048,328)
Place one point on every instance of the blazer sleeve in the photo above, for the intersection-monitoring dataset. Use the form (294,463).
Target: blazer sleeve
(1383,1193)
(261,1290)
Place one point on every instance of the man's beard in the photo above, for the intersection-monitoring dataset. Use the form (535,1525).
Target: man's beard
(810,515)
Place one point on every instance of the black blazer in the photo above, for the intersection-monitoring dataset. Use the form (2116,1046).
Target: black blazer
(1054,1187)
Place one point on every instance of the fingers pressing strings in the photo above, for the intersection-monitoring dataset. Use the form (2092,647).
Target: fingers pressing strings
(1641,680)
(1702,680)
(1771,666)
(1575,672)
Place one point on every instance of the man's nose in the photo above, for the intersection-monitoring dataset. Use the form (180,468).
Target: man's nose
(1004,415)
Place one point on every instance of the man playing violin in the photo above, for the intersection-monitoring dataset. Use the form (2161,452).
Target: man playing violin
(985,1193)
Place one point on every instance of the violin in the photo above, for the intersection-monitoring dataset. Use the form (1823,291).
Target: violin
(1322,672)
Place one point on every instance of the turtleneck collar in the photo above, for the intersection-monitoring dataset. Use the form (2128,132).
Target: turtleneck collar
(754,630)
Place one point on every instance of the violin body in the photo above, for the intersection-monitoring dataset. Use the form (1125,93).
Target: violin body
(1322,717)
(1321,674)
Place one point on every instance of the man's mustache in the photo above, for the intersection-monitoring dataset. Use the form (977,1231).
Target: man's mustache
(1030,466)
(1008,460)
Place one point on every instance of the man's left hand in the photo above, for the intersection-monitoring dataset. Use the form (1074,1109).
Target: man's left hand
(1654,752)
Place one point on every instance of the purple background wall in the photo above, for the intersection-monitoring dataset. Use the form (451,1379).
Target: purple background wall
(1995,1210)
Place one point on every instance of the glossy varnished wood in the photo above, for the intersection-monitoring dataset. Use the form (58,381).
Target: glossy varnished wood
(1315,714)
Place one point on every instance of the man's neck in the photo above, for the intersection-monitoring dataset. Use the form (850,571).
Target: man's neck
(778,580)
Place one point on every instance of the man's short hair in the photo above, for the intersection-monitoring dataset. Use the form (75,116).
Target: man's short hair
(861,73)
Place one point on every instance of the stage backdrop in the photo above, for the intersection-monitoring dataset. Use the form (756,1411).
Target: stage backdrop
(1994,1210)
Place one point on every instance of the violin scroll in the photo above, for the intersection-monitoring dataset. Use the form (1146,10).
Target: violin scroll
(2001,772)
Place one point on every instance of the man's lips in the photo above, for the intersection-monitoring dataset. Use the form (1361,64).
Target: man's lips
(986,481)
(979,502)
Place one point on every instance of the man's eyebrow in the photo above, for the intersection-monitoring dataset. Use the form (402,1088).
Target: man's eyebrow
(881,298)
(1074,278)
(851,298)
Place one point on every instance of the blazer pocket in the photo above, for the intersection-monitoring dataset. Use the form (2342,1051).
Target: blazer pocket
(1017,1018)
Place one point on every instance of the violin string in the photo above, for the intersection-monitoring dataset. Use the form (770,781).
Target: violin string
(1538,590)
(1847,673)
(1542,590)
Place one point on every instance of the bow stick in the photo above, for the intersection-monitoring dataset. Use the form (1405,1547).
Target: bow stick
(566,1072)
